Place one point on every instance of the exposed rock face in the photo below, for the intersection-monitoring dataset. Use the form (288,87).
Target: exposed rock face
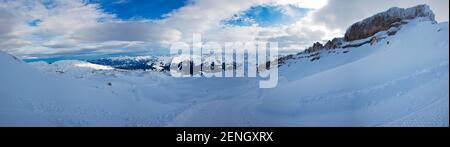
(335,43)
(385,20)
(389,21)
(316,47)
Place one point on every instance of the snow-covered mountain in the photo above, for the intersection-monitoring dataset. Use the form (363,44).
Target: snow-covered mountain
(160,63)
(385,79)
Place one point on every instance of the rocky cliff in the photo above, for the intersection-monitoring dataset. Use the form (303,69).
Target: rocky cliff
(385,20)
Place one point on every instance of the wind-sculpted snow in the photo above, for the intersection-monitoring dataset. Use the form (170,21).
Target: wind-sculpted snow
(400,83)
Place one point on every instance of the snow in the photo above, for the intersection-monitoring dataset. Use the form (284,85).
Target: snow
(403,83)
(74,68)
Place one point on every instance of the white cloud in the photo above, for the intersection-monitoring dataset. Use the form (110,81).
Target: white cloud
(202,15)
(7,21)
(71,26)
(313,4)
(205,17)
(121,2)
(128,31)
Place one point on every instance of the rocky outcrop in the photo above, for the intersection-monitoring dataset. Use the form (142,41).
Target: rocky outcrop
(383,21)
(389,21)
(316,47)
(335,43)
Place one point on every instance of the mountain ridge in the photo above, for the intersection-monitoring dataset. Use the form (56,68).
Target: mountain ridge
(387,19)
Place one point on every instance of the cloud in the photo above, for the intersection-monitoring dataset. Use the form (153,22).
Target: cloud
(206,17)
(57,19)
(202,15)
(128,31)
(121,2)
(313,4)
(73,26)
(7,21)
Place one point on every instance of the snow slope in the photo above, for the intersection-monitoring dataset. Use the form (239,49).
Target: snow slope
(30,97)
(403,83)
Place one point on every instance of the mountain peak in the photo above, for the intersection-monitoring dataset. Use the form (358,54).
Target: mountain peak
(385,20)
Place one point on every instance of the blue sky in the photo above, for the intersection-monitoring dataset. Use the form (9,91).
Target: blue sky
(148,9)
(268,15)
(263,15)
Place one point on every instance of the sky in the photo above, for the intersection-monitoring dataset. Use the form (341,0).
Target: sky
(46,28)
